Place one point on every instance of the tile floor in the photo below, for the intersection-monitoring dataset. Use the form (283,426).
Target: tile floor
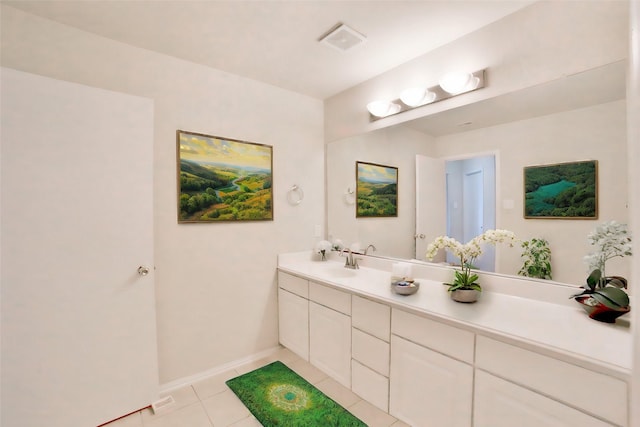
(210,403)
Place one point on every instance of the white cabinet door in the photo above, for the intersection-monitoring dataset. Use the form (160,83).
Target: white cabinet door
(499,403)
(78,321)
(293,316)
(330,342)
(428,388)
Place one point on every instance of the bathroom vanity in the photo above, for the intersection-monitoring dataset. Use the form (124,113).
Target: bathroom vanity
(524,354)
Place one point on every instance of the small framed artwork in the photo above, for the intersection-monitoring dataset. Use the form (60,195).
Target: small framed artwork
(562,190)
(376,190)
(223,179)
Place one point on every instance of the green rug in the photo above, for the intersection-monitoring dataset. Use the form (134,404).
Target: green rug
(277,396)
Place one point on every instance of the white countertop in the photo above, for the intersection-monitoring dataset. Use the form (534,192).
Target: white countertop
(562,329)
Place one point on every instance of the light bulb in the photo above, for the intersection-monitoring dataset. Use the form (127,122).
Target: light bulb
(417,96)
(458,82)
(383,108)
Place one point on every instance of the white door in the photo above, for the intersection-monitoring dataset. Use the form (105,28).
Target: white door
(78,321)
(431,216)
(473,213)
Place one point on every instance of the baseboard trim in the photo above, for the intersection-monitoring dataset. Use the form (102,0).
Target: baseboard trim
(185,381)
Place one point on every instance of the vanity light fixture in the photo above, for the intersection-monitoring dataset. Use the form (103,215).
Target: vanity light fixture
(383,108)
(417,96)
(459,82)
(452,84)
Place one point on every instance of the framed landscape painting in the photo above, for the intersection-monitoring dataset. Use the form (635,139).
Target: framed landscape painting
(562,191)
(376,190)
(223,179)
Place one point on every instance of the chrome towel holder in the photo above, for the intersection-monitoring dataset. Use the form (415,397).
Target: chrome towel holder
(295,195)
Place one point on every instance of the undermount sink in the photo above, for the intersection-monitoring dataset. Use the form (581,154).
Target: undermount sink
(339,271)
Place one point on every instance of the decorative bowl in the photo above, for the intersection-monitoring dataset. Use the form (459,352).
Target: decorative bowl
(598,311)
(405,288)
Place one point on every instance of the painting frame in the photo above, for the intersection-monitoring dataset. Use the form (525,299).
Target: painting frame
(221,179)
(566,190)
(382,179)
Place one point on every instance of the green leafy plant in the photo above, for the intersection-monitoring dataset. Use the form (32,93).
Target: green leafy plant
(606,290)
(467,253)
(537,259)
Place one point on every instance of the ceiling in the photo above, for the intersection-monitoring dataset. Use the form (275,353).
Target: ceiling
(277,42)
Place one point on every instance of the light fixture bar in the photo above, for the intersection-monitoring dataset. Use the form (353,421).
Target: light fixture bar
(434,94)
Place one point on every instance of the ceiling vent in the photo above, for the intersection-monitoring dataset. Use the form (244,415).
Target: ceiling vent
(343,38)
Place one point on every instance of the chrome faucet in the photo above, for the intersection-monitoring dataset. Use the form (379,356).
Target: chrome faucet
(350,262)
(373,248)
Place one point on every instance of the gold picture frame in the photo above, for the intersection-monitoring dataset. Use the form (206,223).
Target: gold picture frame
(223,179)
(561,190)
(376,190)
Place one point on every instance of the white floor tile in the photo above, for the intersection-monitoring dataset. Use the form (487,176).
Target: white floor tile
(213,385)
(247,422)
(252,366)
(286,356)
(338,392)
(133,420)
(371,415)
(307,371)
(225,409)
(191,416)
(400,424)
(183,397)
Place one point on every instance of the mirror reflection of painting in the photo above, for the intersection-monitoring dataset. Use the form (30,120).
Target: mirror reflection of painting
(377,190)
(222,179)
(565,190)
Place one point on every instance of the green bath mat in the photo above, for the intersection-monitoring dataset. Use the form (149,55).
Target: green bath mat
(277,396)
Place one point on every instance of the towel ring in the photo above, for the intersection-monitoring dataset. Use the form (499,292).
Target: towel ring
(295,195)
(350,196)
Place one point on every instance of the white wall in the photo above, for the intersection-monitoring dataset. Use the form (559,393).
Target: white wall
(391,147)
(633,145)
(594,133)
(215,283)
(537,44)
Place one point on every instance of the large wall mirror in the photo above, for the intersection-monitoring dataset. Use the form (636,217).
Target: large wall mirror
(574,118)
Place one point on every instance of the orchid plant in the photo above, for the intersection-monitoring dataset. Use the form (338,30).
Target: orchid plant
(611,239)
(468,253)
(322,248)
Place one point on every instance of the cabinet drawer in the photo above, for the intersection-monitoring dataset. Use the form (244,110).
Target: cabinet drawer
(573,385)
(293,284)
(370,385)
(329,297)
(371,317)
(446,339)
(370,351)
(500,403)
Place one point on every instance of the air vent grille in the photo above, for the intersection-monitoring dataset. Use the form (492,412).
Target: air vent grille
(343,38)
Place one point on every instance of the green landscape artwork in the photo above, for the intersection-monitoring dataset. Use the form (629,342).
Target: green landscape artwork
(222,179)
(564,190)
(377,190)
